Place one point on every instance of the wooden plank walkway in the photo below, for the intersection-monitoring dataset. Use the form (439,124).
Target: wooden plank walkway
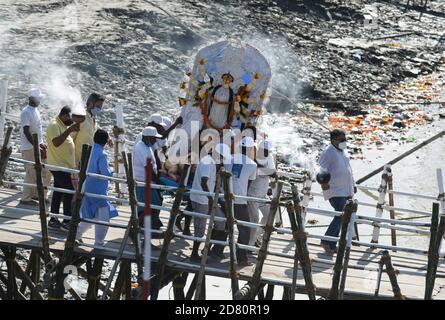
(277,270)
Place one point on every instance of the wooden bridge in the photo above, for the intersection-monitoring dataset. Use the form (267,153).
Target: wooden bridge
(22,230)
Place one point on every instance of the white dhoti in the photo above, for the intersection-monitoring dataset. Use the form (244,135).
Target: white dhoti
(103,214)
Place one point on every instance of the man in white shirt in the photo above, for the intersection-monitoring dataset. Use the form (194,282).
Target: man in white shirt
(243,171)
(340,186)
(30,122)
(205,180)
(258,188)
(142,152)
(164,127)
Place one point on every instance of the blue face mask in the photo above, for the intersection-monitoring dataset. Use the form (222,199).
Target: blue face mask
(96,111)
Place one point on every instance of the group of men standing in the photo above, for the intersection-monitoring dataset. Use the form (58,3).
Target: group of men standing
(251,171)
(65,135)
(250,163)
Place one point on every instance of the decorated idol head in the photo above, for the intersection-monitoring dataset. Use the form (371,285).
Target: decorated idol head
(227,79)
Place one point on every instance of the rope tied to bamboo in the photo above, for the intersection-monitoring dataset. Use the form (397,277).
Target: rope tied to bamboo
(229,197)
(392,272)
(300,235)
(178,285)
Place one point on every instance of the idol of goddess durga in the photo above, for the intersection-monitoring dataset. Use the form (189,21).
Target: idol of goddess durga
(218,108)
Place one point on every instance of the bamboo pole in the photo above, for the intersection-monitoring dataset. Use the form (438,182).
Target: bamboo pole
(169,234)
(380,203)
(27,271)
(250,290)
(131,226)
(36,268)
(269,292)
(391,204)
(230,222)
(379,279)
(192,288)
(306,191)
(127,281)
(300,227)
(431,250)
(41,194)
(147,231)
(134,232)
(347,253)
(116,158)
(67,255)
(402,156)
(179,285)
(5,154)
(433,256)
(119,284)
(27,280)
(440,234)
(10,253)
(3,101)
(205,251)
(294,277)
(94,274)
(346,217)
(392,274)
(301,250)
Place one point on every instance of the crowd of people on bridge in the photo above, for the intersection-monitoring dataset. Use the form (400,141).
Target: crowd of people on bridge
(250,162)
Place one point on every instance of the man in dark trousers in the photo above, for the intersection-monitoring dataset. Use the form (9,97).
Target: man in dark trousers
(337,182)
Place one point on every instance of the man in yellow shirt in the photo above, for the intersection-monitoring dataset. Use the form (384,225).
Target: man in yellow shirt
(87,128)
(61,153)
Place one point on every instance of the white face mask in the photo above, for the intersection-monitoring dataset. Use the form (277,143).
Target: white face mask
(342,145)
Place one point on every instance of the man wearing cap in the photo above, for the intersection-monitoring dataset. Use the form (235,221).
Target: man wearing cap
(340,187)
(88,127)
(142,152)
(204,180)
(93,207)
(61,154)
(30,122)
(243,171)
(164,128)
(258,188)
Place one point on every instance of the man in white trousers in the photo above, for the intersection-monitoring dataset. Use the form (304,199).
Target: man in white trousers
(258,188)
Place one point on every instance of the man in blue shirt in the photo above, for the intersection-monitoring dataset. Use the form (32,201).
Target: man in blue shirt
(95,208)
